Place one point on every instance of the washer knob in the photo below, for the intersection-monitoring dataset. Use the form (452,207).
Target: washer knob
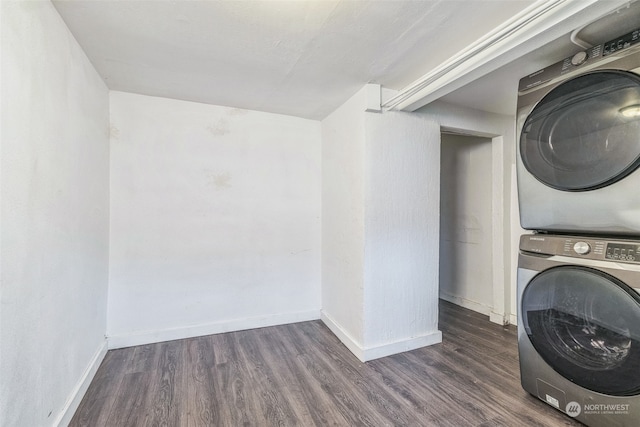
(582,248)
(579,58)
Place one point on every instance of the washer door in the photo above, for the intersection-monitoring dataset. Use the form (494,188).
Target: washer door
(586,325)
(585,133)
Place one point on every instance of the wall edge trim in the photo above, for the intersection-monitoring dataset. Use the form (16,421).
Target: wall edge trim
(365,354)
(513,319)
(408,344)
(155,336)
(466,303)
(352,345)
(81,387)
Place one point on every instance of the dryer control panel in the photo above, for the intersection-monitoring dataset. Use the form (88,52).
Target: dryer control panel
(621,42)
(623,252)
(581,60)
(627,251)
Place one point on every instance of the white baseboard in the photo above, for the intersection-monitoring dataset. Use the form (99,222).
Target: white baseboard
(149,337)
(353,346)
(513,319)
(365,354)
(388,349)
(70,407)
(463,302)
(499,318)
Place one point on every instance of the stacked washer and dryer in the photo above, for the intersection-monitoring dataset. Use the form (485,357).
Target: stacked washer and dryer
(578,162)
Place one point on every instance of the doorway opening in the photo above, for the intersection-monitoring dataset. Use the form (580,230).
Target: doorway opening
(466,234)
(466,254)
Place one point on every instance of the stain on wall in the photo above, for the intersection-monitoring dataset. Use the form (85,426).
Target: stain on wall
(217,180)
(237,112)
(219,128)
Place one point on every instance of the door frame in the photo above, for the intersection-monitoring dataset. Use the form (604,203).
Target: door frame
(501,292)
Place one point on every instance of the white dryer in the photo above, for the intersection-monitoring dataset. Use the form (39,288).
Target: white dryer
(578,154)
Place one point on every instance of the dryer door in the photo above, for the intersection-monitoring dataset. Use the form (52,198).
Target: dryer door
(586,325)
(585,133)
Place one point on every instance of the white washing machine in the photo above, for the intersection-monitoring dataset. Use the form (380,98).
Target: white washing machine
(578,123)
(579,326)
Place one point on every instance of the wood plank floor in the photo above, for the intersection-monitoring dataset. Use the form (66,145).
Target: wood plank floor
(301,375)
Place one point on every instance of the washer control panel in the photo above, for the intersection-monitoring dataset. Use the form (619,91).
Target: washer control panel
(619,250)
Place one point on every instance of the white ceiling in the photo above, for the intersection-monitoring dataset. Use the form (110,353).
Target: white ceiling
(301,58)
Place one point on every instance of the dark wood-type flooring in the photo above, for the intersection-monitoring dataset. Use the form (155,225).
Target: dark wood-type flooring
(300,374)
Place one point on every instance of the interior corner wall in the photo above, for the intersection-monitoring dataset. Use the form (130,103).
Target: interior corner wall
(215,219)
(54,217)
(402,210)
(343,221)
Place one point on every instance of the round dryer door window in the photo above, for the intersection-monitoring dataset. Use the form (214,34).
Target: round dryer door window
(585,133)
(585,324)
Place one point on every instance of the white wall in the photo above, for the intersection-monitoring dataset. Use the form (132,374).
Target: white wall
(465,222)
(402,185)
(215,219)
(380,176)
(54,227)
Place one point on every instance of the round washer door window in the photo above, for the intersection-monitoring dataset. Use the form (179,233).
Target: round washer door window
(585,133)
(586,325)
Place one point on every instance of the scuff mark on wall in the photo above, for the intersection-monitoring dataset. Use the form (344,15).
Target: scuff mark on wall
(114,132)
(299,252)
(468,229)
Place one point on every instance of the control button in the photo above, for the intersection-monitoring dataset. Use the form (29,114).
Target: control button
(582,248)
(579,58)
